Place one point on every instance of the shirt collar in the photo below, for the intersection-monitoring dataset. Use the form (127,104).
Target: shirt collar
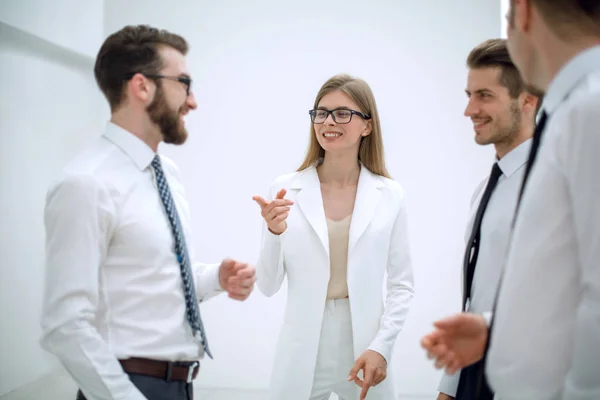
(514,159)
(139,152)
(569,76)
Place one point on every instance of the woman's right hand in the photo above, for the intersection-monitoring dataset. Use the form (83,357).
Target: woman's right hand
(275,212)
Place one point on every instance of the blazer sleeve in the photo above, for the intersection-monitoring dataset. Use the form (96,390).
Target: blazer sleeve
(270,267)
(400,289)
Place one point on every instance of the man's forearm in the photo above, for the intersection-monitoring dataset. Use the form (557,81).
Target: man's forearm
(88,359)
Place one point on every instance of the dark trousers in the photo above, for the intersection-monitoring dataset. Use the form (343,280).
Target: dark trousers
(472,384)
(158,389)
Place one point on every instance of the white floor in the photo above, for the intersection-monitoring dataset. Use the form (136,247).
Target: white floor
(59,386)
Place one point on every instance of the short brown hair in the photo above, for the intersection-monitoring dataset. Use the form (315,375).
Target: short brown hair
(494,53)
(133,49)
(565,17)
(371,152)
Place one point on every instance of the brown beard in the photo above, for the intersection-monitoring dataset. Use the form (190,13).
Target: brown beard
(166,119)
(515,119)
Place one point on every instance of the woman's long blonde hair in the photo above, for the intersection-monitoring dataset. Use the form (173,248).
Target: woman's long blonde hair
(371,152)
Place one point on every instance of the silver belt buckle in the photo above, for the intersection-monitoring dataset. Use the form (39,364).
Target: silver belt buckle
(191,370)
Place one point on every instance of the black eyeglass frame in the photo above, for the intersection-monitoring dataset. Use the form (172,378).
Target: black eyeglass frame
(185,80)
(313,115)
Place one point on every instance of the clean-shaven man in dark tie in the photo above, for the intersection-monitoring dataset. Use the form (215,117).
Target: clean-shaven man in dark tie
(123,285)
(543,340)
(502,110)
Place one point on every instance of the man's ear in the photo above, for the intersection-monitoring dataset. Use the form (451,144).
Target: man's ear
(529,102)
(522,14)
(140,88)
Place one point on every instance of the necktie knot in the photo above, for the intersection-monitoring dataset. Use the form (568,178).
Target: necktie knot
(156,163)
(496,173)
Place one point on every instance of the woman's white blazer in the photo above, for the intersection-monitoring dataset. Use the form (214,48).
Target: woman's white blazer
(378,253)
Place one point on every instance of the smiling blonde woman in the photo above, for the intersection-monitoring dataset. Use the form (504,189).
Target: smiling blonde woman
(335,228)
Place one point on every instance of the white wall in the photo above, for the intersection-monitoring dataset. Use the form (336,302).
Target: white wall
(72,24)
(257,67)
(504,7)
(49,107)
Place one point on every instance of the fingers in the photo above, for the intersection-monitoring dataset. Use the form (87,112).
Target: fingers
(380,377)
(271,213)
(363,392)
(242,280)
(234,271)
(358,365)
(452,323)
(430,340)
(269,205)
(358,381)
(261,202)
(373,377)
(277,201)
(448,358)
(427,342)
(246,268)
(436,348)
(275,211)
(228,262)
(237,278)
(276,219)
(239,297)
(245,272)
(281,217)
(235,283)
(440,361)
(453,367)
(239,292)
(449,364)
(439,352)
(227,267)
(449,361)
(275,214)
(280,194)
(369,377)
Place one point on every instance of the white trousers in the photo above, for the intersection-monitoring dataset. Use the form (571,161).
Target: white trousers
(335,357)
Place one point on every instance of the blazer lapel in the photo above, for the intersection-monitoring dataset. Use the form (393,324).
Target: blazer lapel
(365,205)
(310,201)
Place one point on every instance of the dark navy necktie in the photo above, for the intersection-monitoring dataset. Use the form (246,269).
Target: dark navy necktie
(468,383)
(472,250)
(191,301)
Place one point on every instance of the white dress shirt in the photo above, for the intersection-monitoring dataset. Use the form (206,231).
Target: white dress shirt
(113,284)
(495,236)
(546,339)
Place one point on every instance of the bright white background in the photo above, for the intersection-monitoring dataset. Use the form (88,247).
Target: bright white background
(504,6)
(49,108)
(257,66)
